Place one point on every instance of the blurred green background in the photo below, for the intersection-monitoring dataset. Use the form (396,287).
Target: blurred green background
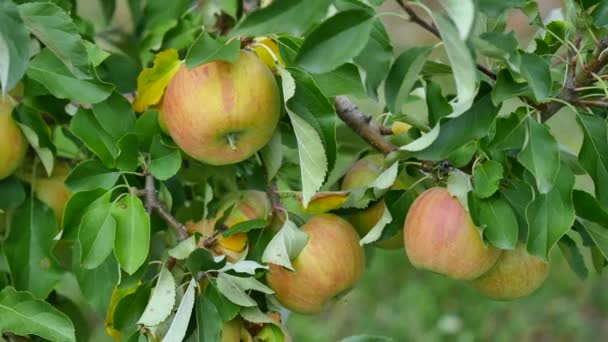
(395,300)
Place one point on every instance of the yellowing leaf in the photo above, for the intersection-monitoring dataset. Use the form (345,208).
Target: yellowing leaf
(117,295)
(236,242)
(265,55)
(323,202)
(399,127)
(151,82)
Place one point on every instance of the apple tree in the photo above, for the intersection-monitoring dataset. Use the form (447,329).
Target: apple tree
(194,170)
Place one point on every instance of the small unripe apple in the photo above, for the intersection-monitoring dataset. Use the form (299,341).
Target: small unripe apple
(13,145)
(362,174)
(330,264)
(516,274)
(235,331)
(52,190)
(248,205)
(222,113)
(440,236)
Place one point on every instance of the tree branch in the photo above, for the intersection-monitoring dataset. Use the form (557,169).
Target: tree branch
(152,203)
(415,18)
(362,125)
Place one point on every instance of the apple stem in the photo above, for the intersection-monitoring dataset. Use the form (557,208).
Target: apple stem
(232,140)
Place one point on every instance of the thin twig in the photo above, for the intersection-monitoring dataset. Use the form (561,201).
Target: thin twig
(152,203)
(362,125)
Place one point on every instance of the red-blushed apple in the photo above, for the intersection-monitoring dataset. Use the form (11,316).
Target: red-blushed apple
(516,274)
(330,264)
(248,205)
(222,113)
(13,145)
(362,174)
(52,190)
(440,236)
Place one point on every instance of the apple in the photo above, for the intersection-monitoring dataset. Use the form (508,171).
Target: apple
(13,145)
(516,274)
(248,205)
(362,174)
(52,190)
(221,113)
(234,331)
(440,236)
(330,264)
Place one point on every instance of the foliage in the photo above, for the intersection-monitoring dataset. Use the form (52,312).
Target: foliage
(165,247)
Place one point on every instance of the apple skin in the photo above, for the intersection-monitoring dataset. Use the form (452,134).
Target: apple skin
(330,263)
(248,205)
(363,173)
(221,113)
(439,235)
(516,274)
(13,145)
(52,190)
(234,331)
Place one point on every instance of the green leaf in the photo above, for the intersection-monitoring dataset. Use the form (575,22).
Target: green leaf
(510,132)
(285,246)
(128,155)
(438,106)
(253,314)
(129,309)
(336,41)
(23,314)
(115,115)
(91,175)
(599,234)
(398,203)
(573,256)
(540,155)
(162,300)
(506,87)
(367,338)
(600,14)
(56,30)
(402,76)
(593,155)
(587,207)
(291,16)
(472,124)
(234,288)
(496,7)
(76,206)
(376,232)
(97,285)
(147,127)
(96,235)
(244,227)
(463,65)
(205,49)
(313,161)
(537,72)
(272,155)
(459,186)
(177,330)
(14,46)
(375,58)
(13,193)
(28,249)
(498,223)
(310,104)
(48,70)
(132,233)
(462,13)
(519,194)
(551,215)
(227,309)
(201,260)
(86,127)
(208,321)
(345,80)
(165,161)
(184,249)
(37,133)
(486,178)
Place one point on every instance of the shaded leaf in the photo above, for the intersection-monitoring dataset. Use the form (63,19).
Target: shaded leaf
(132,233)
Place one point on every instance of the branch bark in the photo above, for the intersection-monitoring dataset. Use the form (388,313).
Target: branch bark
(153,203)
(362,124)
